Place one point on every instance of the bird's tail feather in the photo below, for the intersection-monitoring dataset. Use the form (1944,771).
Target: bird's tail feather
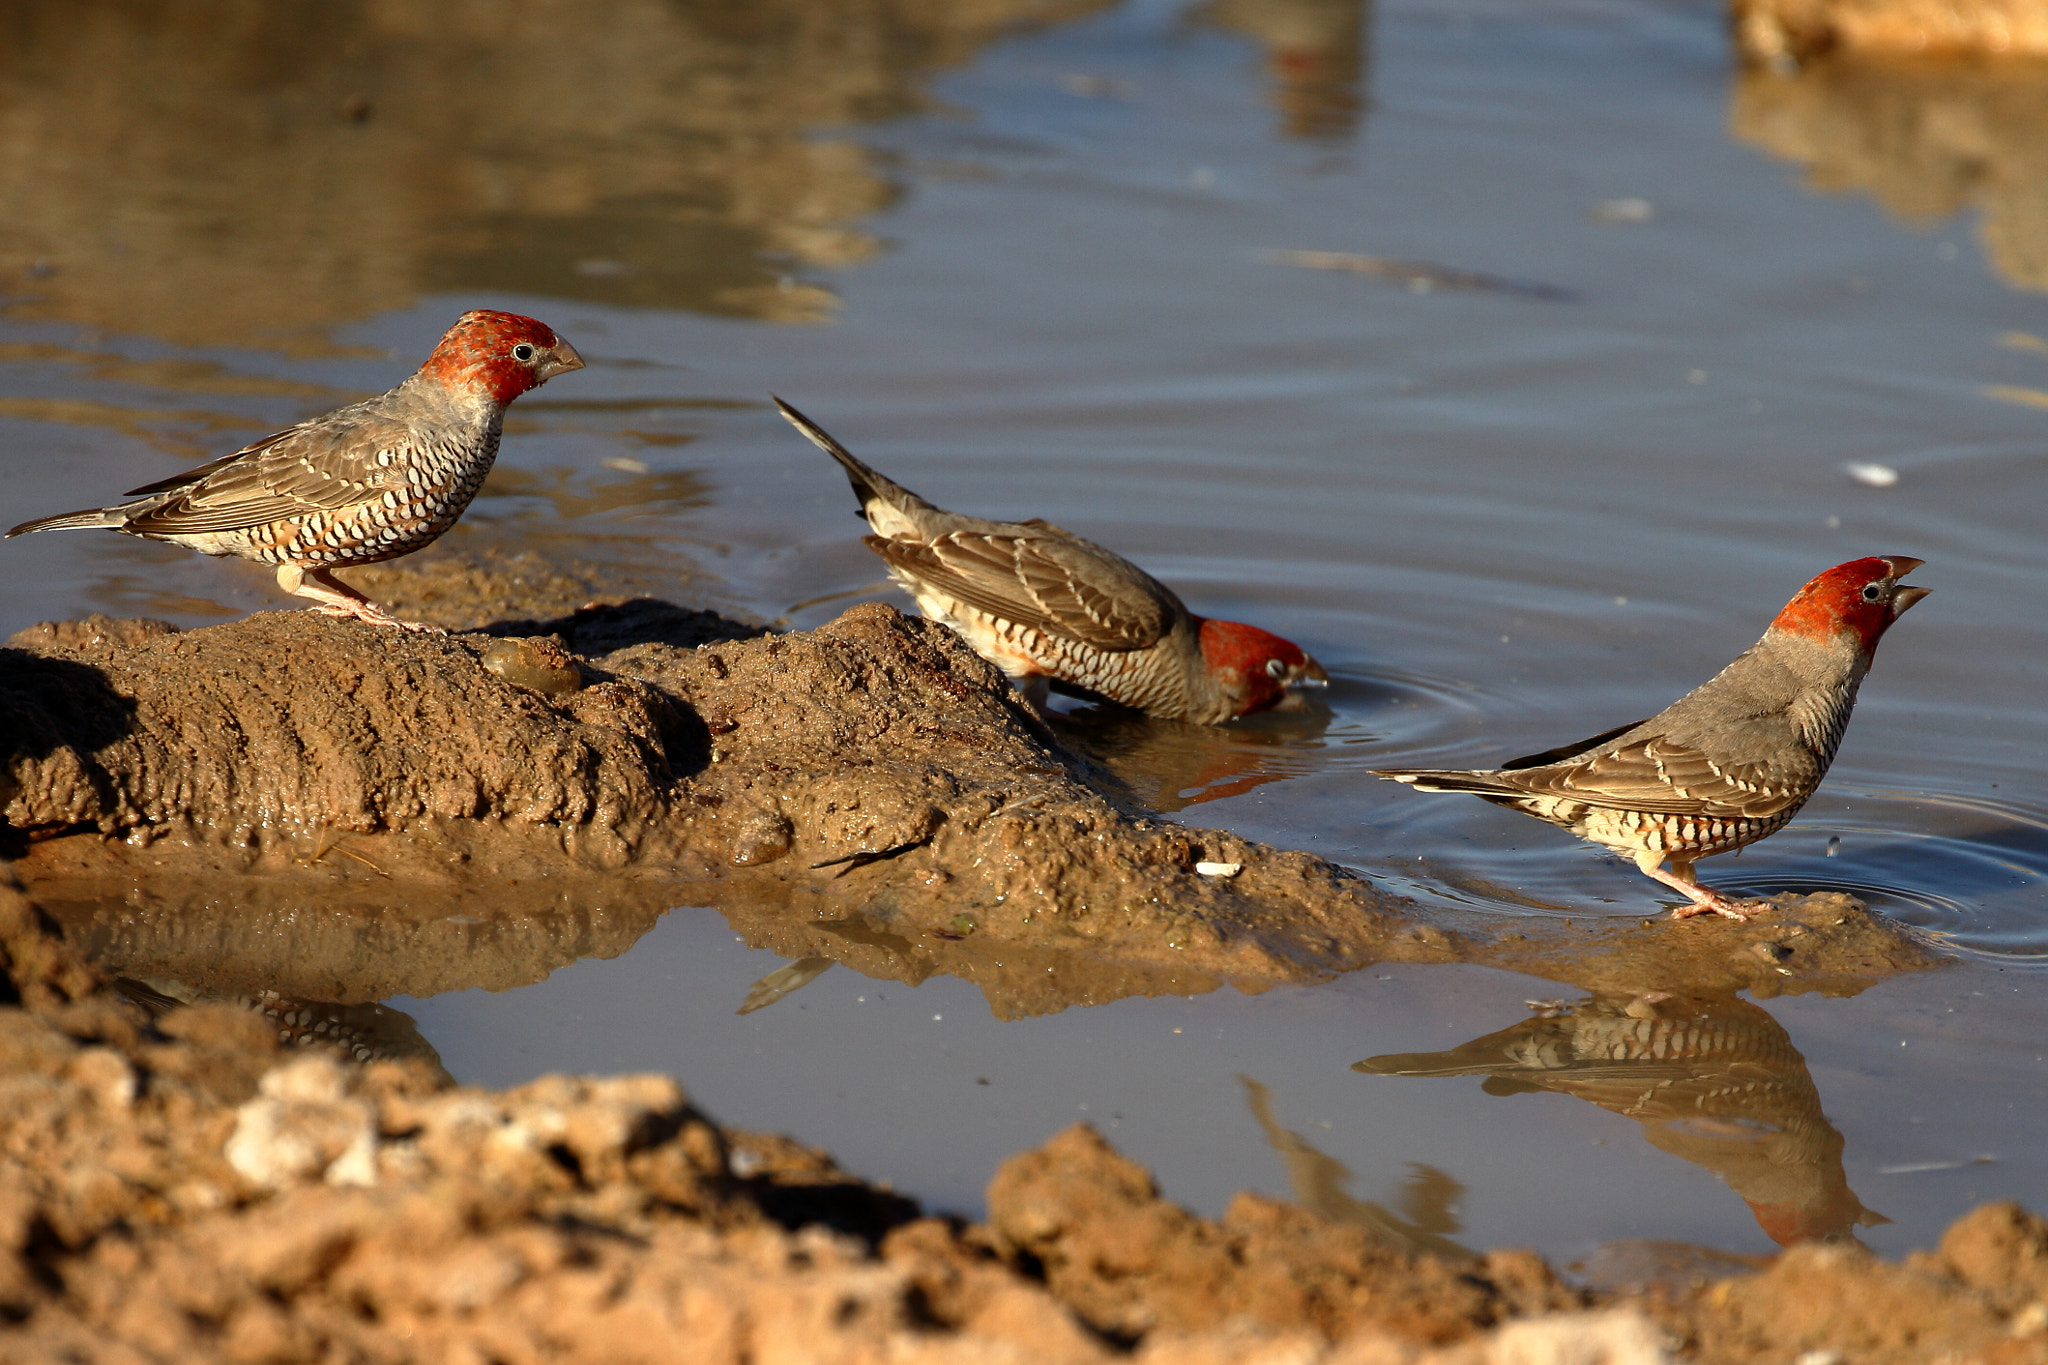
(1447,780)
(868,486)
(69,521)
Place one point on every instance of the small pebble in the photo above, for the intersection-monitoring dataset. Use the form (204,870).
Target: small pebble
(763,837)
(539,665)
(1219,869)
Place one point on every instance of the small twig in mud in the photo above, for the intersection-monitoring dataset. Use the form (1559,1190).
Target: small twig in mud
(330,842)
(1021,803)
(1420,276)
(862,857)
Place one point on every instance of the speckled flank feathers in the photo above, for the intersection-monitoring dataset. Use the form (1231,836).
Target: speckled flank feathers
(1045,605)
(1730,762)
(364,483)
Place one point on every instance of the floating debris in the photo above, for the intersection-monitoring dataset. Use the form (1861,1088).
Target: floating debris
(1874,475)
(1925,1167)
(1421,277)
(1624,211)
(2015,393)
(787,979)
(1090,87)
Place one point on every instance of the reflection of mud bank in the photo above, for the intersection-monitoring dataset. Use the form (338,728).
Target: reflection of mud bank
(370,812)
(198,1194)
(1926,139)
(648,153)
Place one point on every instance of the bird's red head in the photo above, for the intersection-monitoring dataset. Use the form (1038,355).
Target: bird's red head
(1254,667)
(1858,600)
(499,354)
(1830,1213)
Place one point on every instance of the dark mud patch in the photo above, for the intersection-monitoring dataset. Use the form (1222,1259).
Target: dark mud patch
(186,1187)
(341,813)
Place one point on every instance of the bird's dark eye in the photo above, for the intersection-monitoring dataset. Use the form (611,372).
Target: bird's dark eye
(522,352)
(1276,668)
(1872,591)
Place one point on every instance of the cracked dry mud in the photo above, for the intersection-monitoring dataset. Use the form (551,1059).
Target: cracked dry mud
(308,816)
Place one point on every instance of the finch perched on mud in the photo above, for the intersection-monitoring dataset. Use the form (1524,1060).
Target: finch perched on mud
(1728,763)
(368,482)
(1046,606)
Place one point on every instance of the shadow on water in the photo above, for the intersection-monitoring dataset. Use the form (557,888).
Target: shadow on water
(660,153)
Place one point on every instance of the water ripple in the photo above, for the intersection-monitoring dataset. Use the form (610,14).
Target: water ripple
(1970,872)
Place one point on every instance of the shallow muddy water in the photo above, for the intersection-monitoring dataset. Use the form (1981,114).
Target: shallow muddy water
(1538,484)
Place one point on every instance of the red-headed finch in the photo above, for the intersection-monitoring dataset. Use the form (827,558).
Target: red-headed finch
(364,483)
(1046,606)
(1729,762)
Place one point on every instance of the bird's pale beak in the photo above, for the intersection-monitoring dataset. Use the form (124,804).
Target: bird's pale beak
(562,358)
(1904,595)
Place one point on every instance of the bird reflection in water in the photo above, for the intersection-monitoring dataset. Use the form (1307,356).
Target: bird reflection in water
(1427,1207)
(1317,55)
(1712,1079)
(1168,766)
(362,1033)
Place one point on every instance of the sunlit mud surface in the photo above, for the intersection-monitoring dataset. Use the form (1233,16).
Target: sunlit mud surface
(1562,421)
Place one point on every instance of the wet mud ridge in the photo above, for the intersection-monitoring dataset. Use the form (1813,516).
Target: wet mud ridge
(338,812)
(181,1186)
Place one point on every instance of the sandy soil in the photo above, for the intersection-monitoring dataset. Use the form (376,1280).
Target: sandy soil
(228,844)
(1777,29)
(186,1187)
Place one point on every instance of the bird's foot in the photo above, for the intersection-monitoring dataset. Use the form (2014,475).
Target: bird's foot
(1714,903)
(372,614)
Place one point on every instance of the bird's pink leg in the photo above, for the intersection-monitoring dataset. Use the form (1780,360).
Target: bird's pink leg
(332,597)
(1036,690)
(1705,900)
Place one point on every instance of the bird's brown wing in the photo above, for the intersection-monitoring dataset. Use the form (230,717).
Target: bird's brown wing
(318,466)
(1662,775)
(1056,583)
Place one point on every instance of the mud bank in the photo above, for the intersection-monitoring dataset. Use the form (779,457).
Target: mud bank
(186,1188)
(1774,29)
(338,813)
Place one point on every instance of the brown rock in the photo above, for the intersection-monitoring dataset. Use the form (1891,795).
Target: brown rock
(2002,1250)
(1132,1264)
